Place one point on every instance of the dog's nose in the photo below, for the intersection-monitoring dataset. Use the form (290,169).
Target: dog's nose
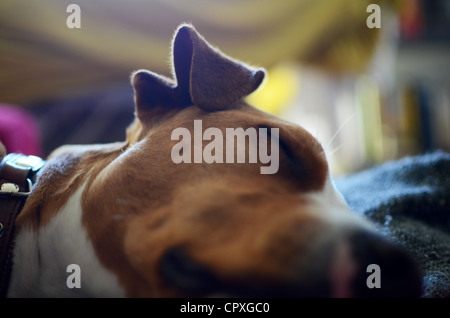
(381,269)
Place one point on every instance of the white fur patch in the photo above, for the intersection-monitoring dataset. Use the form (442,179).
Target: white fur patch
(331,205)
(41,259)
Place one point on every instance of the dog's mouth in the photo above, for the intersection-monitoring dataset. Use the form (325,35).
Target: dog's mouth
(193,279)
(186,275)
(368,266)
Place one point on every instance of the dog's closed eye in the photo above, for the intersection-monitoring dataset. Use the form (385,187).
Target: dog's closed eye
(295,163)
(298,159)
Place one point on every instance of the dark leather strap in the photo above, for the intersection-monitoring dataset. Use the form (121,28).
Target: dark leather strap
(9,209)
(17,175)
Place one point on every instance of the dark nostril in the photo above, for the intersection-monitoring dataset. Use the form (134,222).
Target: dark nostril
(395,272)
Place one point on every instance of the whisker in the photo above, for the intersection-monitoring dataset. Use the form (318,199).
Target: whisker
(338,131)
(329,153)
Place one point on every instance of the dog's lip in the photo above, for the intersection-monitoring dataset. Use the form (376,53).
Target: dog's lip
(337,278)
(180,271)
(189,277)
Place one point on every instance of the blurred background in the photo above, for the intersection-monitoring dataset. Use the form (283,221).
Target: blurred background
(368,94)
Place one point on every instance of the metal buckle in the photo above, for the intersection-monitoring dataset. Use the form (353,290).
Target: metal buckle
(33,162)
(18,161)
(12,189)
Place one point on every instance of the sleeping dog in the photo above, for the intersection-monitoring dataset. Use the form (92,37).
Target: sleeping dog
(161,215)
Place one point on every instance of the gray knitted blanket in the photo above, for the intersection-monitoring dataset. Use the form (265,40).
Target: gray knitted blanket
(409,201)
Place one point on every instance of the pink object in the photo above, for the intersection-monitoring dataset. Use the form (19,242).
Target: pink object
(19,131)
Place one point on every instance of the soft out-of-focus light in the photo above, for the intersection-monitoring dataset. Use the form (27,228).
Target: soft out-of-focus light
(367,97)
(281,87)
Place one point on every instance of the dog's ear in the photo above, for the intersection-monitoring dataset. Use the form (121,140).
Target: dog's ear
(213,80)
(204,77)
(156,93)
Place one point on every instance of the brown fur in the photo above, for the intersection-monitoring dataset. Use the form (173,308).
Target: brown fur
(247,228)
(158,222)
(138,203)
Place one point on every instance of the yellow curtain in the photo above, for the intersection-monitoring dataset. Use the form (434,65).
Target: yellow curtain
(40,57)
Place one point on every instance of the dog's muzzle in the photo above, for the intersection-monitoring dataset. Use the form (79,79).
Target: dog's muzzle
(357,264)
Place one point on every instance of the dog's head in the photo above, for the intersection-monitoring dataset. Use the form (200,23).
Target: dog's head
(195,219)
